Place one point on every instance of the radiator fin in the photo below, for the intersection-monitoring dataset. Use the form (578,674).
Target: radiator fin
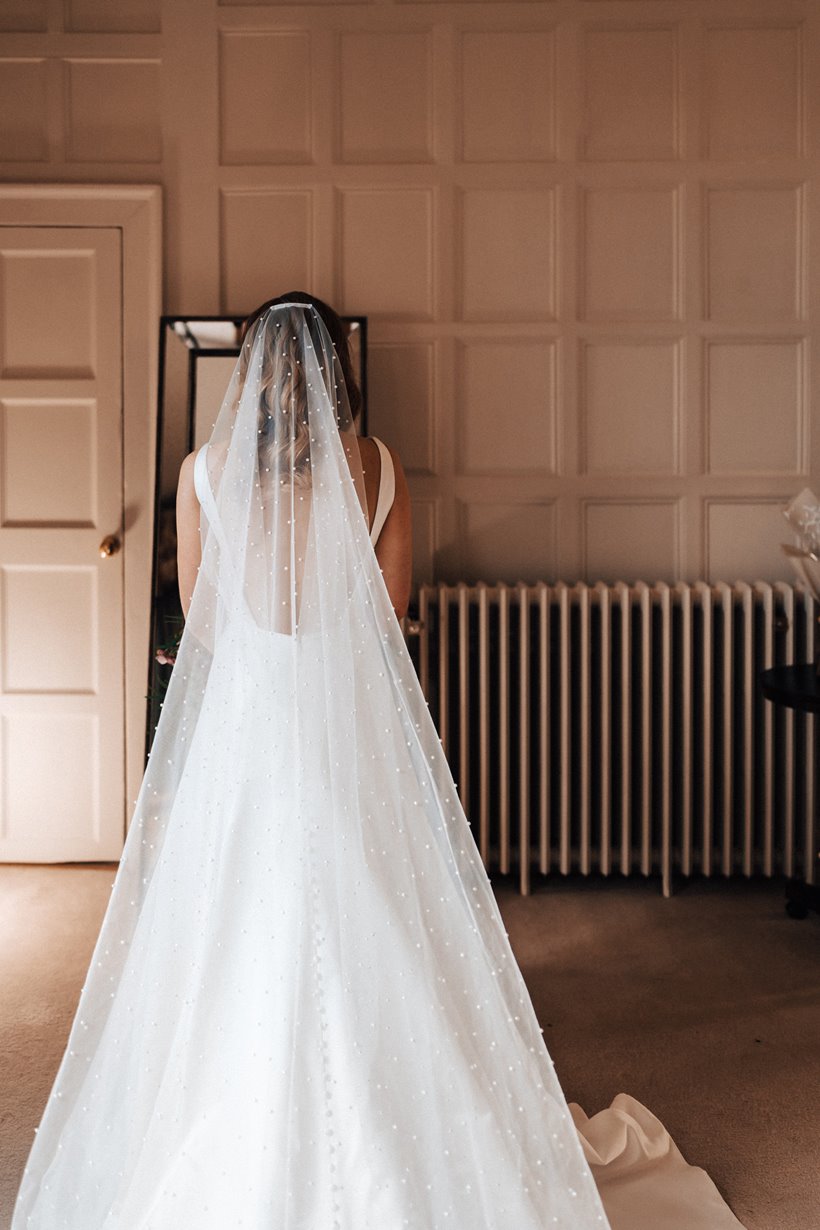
(620,728)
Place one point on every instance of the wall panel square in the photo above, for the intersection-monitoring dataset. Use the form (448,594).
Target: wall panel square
(506,408)
(24,16)
(385,97)
(50,621)
(630,253)
(112,110)
(754,92)
(742,540)
(264,96)
(755,407)
(54,485)
(23,106)
(385,252)
(51,331)
(631,407)
(257,264)
(630,541)
(508,254)
(400,386)
(29,794)
(114,16)
(754,253)
(275,4)
(507,541)
(508,95)
(630,94)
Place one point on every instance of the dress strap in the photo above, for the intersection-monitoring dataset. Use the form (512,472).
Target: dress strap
(205,495)
(202,486)
(387,490)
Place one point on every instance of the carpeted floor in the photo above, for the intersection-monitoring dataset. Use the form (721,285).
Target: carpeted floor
(705,1007)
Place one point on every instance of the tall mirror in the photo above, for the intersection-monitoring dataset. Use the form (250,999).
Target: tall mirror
(196,358)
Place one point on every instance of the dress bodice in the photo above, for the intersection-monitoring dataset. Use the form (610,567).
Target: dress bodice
(384,500)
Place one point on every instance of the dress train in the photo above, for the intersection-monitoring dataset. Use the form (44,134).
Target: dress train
(644,1181)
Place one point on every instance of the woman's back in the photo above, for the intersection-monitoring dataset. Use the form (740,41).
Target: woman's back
(393,545)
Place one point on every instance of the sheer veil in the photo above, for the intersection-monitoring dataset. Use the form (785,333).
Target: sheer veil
(302,982)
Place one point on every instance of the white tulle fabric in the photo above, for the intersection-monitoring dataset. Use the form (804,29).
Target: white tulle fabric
(302,1011)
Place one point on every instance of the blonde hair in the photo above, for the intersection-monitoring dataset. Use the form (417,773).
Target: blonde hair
(283,429)
(338,335)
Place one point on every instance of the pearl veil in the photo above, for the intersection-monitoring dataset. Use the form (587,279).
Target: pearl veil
(302,1011)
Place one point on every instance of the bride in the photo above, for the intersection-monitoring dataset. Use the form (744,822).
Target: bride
(302,1011)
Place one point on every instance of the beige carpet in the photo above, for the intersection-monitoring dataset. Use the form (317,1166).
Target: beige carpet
(705,1007)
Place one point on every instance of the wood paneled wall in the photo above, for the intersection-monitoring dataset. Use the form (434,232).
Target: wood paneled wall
(584,231)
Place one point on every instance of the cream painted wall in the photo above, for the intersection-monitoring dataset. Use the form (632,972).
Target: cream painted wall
(584,232)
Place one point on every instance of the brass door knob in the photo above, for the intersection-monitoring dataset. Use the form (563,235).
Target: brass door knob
(110,545)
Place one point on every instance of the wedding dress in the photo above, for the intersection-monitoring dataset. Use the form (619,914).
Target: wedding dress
(302,1011)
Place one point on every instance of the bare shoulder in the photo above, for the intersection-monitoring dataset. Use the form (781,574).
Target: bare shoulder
(188,531)
(186,470)
(394,550)
(402,493)
(186,486)
(368,450)
(396,459)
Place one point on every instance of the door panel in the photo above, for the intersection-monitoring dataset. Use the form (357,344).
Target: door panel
(62,796)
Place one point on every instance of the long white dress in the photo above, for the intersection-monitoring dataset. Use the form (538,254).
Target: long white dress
(302,1011)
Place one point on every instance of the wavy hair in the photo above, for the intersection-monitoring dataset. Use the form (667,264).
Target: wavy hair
(283,427)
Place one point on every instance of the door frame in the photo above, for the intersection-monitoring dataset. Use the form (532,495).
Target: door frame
(136,210)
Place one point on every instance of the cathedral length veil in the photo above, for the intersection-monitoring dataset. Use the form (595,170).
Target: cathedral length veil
(302,1011)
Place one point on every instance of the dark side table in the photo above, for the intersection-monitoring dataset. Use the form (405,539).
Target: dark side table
(797,687)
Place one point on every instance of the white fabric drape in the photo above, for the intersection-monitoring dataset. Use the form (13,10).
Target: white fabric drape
(302,1011)
(644,1181)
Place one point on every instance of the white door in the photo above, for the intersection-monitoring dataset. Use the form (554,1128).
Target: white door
(62,795)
